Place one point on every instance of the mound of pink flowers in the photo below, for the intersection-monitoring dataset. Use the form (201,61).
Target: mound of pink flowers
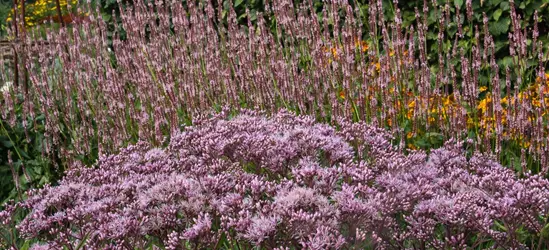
(287,182)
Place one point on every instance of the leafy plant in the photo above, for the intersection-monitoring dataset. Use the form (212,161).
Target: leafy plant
(23,163)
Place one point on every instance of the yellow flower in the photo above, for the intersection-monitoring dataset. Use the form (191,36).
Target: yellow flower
(411,107)
(447,101)
(483,104)
(504,101)
(470,122)
(412,104)
(378,66)
(483,88)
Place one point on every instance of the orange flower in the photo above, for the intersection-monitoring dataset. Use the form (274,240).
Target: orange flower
(362,45)
(332,50)
(538,79)
(536,102)
(409,135)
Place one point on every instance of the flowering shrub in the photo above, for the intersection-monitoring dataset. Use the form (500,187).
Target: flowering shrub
(287,182)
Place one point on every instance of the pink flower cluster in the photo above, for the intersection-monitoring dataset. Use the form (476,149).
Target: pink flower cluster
(285,182)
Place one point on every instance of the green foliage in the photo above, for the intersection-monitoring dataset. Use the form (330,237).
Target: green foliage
(32,170)
(499,24)
(25,147)
(5,7)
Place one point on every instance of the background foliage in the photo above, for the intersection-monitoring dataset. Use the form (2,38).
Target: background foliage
(5,6)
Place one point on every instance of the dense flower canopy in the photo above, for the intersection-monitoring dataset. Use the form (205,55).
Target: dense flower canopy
(286,181)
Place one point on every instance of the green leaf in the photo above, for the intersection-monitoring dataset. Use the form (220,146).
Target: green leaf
(106,18)
(43,180)
(497,14)
(506,62)
(6,142)
(452,29)
(41,117)
(501,44)
(22,153)
(458,3)
(26,245)
(504,6)
(421,143)
(493,2)
(83,241)
(500,226)
(544,234)
(243,15)
(533,6)
(253,15)
(435,138)
(108,3)
(38,170)
(237,3)
(500,27)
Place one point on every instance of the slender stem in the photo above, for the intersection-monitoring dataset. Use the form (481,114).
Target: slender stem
(58,7)
(9,137)
(15,59)
(540,235)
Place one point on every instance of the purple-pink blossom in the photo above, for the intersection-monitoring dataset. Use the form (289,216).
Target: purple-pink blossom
(286,181)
